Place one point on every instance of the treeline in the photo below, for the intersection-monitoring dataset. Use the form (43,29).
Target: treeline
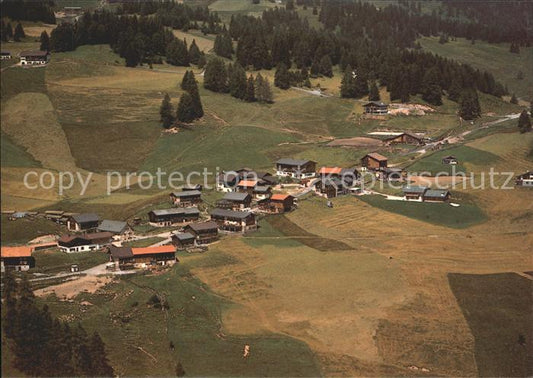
(138,40)
(175,15)
(28,10)
(44,346)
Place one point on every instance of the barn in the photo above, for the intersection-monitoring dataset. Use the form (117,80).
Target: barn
(374,161)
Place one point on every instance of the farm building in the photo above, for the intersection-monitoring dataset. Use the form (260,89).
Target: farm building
(449,160)
(330,187)
(204,233)
(227,181)
(392,174)
(234,221)
(299,169)
(414,193)
(82,222)
(376,108)
(235,201)
(34,57)
(374,161)
(436,195)
(17,258)
(246,186)
(277,203)
(186,198)
(84,243)
(121,230)
(525,179)
(129,258)
(404,138)
(262,192)
(182,240)
(265,178)
(5,55)
(197,187)
(168,217)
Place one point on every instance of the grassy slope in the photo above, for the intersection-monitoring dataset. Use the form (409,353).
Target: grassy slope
(15,156)
(494,58)
(53,261)
(24,230)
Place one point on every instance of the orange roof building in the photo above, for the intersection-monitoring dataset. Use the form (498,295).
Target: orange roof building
(247,183)
(19,251)
(330,171)
(17,258)
(153,250)
(279,197)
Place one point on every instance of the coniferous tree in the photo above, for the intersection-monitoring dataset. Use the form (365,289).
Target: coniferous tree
(263,92)
(19,33)
(431,89)
(374,92)
(513,100)
(185,112)
(202,61)
(315,68)
(100,364)
(250,90)
(216,76)
(165,111)
(237,82)
(177,53)
(469,108)
(45,41)
(348,85)
(524,122)
(194,53)
(454,92)
(223,45)
(282,77)
(326,67)
(361,85)
(188,82)
(180,371)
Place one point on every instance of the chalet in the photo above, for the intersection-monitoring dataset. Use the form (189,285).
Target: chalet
(350,176)
(204,233)
(82,222)
(235,201)
(374,161)
(330,187)
(392,174)
(121,230)
(129,258)
(281,203)
(414,193)
(449,160)
(262,192)
(330,171)
(34,57)
(299,169)
(436,195)
(72,11)
(197,187)
(404,138)
(183,240)
(16,258)
(234,221)
(525,179)
(168,217)
(266,178)
(246,186)
(186,198)
(376,108)
(54,215)
(85,242)
(227,181)
(4,55)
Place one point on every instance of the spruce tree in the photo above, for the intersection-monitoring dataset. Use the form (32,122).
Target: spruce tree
(326,67)
(100,364)
(374,92)
(431,89)
(524,122)
(216,76)
(250,90)
(165,111)
(513,100)
(19,33)
(454,92)
(263,92)
(201,61)
(282,77)
(361,85)
(185,112)
(469,108)
(237,82)
(188,82)
(348,89)
(197,107)
(177,53)
(194,53)
(45,41)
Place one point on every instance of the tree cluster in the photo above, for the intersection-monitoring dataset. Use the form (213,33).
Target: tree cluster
(7,33)
(524,122)
(44,346)
(28,10)
(190,106)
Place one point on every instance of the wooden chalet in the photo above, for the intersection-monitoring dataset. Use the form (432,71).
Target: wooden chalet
(436,195)
(85,242)
(376,108)
(129,258)
(392,174)
(262,192)
(204,233)
(449,160)
(82,222)
(34,57)
(298,169)
(121,230)
(227,181)
(330,171)
(414,193)
(525,179)
(183,240)
(186,198)
(374,161)
(16,258)
(169,217)
(281,203)
(404,138)
(246,186)
(235,201)
(330,187)
(234,221)
(4,55)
